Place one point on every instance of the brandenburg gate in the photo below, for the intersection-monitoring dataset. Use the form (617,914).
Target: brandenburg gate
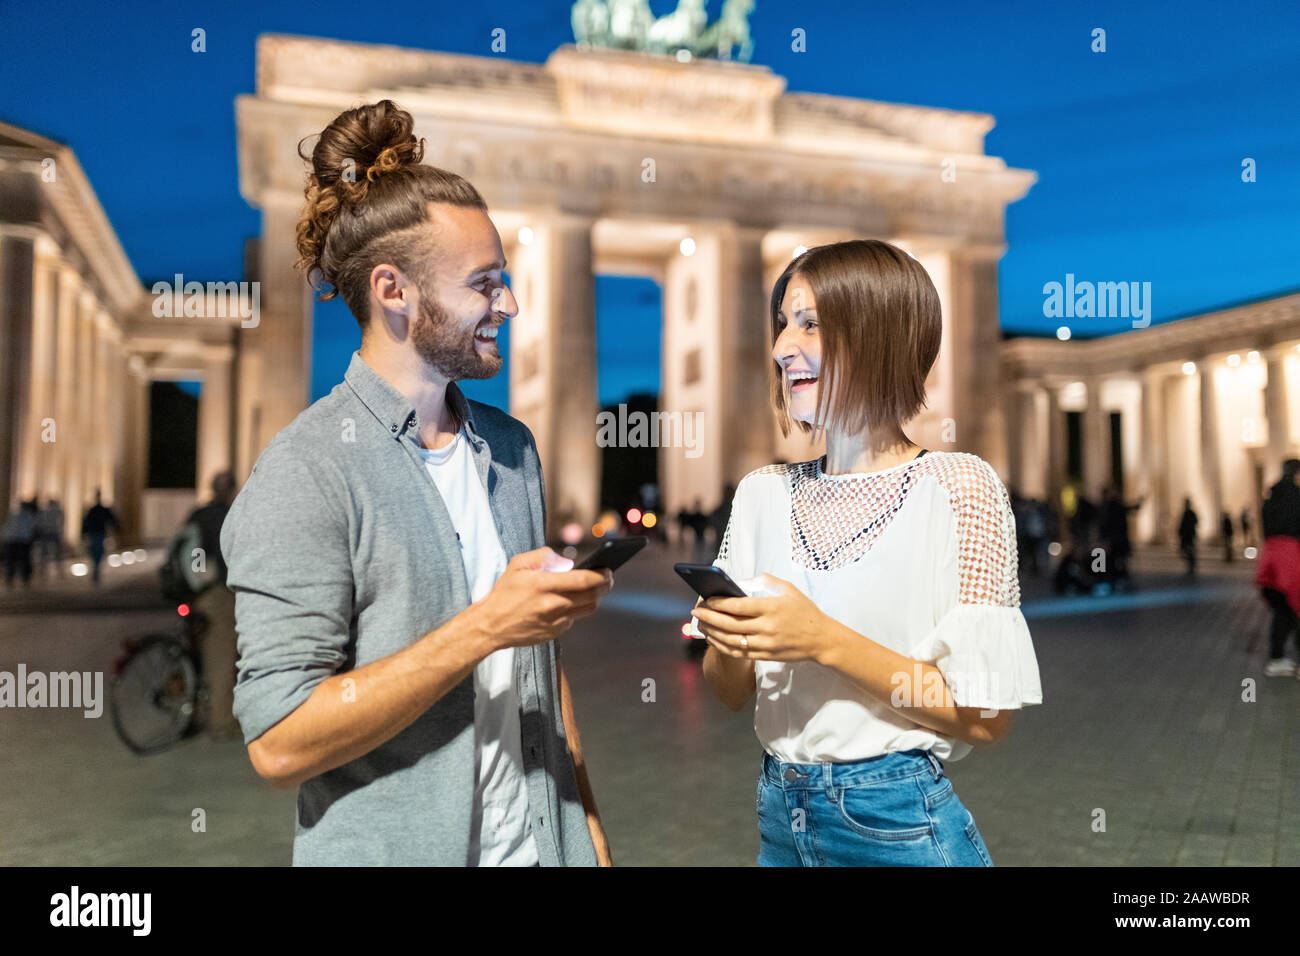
(703,175)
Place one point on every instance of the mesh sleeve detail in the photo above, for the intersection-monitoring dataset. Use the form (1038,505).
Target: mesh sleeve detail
(987,558)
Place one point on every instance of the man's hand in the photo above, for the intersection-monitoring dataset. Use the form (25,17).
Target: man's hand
(538,598)
(528,605)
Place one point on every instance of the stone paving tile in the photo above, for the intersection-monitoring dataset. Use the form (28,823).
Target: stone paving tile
(74,795)
(1144,719)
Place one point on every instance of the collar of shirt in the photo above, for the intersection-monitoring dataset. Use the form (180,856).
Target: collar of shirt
(394,410)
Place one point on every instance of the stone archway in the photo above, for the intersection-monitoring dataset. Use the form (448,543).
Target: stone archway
(594,145)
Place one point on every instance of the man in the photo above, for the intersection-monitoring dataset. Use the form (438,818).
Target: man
(217,605)
(393,665)
(1187,536)
(96,526)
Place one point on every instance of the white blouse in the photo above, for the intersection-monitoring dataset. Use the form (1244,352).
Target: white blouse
(920,558)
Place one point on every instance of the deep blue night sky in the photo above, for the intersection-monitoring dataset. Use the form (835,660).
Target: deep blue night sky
(1138,150)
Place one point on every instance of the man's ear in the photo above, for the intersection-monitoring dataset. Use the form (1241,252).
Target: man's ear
(391,289)
(392,298)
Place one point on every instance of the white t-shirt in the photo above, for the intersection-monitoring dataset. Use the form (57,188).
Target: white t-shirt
(920,558)
(501,834)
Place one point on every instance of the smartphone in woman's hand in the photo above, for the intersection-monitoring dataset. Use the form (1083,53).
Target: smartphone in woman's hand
(708,581)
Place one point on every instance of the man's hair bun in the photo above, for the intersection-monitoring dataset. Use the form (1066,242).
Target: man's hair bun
(363,144)
(367,196)
(352,153)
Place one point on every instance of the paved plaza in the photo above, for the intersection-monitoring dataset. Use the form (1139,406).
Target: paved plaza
(1143,718)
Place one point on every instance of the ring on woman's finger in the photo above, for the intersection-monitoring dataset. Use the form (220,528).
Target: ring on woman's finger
(744,642)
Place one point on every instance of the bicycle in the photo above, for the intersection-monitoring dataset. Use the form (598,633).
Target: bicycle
(158,696)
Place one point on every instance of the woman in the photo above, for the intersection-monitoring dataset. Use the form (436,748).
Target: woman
(893,639)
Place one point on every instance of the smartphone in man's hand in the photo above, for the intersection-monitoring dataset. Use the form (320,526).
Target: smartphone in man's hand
(611,554)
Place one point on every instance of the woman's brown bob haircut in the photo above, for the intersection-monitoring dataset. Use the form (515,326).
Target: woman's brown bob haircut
(368,196)
(880,323)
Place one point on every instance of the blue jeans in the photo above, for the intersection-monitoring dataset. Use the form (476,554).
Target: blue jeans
(898,809)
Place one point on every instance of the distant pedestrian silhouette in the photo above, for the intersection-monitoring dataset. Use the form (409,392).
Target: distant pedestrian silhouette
(98,523)
(1278,574)
(48,549)
(1035,533)
(1075,568)
(1225,524)
(1113,527)
(696,520)
(1187,536)
(17,535)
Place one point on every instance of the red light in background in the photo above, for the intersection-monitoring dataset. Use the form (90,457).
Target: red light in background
(633,515)
(686,630)
(183,610)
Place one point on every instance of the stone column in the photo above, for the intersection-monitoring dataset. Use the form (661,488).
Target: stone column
(101,419)
(85,387)
(1211,483)
(1096,443)
(1016,422)
(690,388)
(248,409)
(1034,440)
(977,336)
(65,400)
(216,411)
(553,363)
(574,458)
(1153,520)
(715,366)
(744,384)
(1276,412)
(17,261)
(28,411)
(115,448)
(132,471)
(1056,453)
(938,425)
(282,337)
(42,375)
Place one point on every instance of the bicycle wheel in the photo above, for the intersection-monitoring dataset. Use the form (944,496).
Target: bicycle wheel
(154,695)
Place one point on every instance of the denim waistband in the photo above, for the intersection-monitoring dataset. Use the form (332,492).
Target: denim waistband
(897,765)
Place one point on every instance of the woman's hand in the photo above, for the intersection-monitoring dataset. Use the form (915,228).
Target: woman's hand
(788,627)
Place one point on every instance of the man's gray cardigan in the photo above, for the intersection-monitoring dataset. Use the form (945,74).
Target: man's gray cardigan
(341,551)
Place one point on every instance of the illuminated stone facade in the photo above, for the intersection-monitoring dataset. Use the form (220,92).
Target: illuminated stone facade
(606,161)
(1207,406)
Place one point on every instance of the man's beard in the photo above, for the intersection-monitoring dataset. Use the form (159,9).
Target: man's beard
(452,352)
